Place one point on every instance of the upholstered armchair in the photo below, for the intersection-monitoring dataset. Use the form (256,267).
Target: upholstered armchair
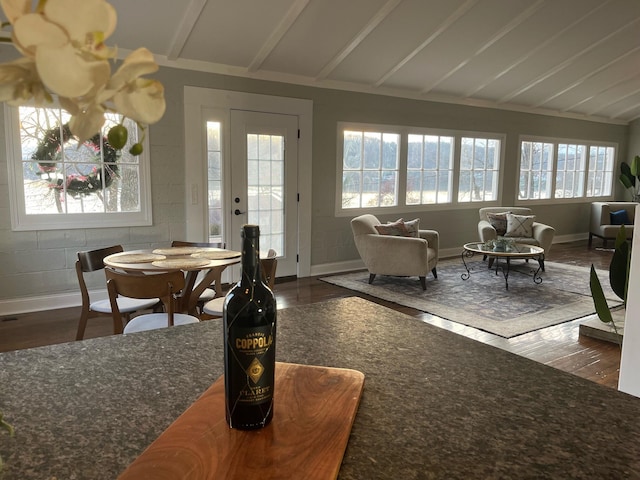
(606,218)
(494,223)
(395,254)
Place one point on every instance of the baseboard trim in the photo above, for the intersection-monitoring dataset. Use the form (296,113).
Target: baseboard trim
(65,300)
(16,306)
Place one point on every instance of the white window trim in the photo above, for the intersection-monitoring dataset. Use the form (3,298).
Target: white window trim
(555,141)
(20,221)
(404,131)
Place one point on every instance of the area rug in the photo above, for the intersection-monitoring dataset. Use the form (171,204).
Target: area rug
(483,302)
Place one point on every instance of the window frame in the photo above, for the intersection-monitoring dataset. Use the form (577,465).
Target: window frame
(21,221)
(556,142)
(404,132)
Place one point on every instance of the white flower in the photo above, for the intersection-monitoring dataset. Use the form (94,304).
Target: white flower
(138,98)
(65,55)
(19,82)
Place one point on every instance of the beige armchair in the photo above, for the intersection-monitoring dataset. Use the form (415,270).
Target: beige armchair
(541,234)
(395,255)
(602,224)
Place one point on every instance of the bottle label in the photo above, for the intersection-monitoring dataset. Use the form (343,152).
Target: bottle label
(255,361)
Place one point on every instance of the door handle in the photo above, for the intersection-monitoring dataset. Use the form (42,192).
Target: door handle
(238,212)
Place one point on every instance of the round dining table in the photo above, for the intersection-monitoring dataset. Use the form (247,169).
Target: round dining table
(191,260)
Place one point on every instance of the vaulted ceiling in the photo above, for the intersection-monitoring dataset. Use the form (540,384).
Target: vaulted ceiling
(578,58)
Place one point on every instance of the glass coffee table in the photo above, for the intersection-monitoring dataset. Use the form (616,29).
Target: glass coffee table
(501,260)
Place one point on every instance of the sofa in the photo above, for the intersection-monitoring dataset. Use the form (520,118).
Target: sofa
(397,251)
(607,217)
(539,234)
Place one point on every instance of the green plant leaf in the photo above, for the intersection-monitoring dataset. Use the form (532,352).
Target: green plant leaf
(635,166)
(626,181)
(599,300)
(619,266)
(625,169)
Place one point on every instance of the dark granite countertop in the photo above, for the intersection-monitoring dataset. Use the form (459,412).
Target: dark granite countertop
(435,404)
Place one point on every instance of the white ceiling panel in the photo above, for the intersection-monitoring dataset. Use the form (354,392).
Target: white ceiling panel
(578,58)
(321,31)
(411,24)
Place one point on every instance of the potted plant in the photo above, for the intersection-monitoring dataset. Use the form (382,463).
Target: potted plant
(619,269)
(630,177)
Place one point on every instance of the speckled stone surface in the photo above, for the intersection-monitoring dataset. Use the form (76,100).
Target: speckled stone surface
(435,404)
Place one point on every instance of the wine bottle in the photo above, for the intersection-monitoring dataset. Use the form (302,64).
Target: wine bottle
(249,317)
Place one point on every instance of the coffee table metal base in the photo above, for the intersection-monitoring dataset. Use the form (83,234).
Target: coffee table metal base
(498,266)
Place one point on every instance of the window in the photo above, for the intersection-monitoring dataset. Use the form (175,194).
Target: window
(429,169)
(479,169)
(398,167)
(564,170)
(570,171)
(265,187)
(370,169)
(214,180)
(57,183)
(536,170)
(600,175)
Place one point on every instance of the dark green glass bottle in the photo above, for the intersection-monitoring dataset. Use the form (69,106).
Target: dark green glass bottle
(249,317)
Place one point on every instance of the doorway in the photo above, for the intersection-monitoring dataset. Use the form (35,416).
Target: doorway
(264,190)
(285,123)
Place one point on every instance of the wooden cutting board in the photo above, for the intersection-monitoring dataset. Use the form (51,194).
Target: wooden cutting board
(314,410)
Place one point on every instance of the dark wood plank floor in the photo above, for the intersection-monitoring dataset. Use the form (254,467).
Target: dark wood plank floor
(559,346)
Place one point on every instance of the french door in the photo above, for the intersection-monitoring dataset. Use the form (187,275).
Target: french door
(263,173)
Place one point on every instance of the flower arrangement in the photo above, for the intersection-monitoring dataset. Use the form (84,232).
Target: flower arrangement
(64,56)
(499,244)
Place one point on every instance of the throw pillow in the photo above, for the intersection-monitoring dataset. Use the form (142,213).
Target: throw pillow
(412,227)
(396,228)
(520,225)
(499,222)
(620,217)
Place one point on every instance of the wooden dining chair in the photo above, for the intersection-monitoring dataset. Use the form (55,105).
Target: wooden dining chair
(92,261)
(268,266)
(165,286)
(210,292)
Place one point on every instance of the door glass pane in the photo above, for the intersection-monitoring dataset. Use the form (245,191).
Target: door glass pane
(214,182)
(265,189)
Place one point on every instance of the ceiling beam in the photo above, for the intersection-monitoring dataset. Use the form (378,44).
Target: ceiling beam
(517,21)
(460,11)
(276,35)
(383,13)
(562,65)
(526,56)
(584,78)
(191,15)
(611,86)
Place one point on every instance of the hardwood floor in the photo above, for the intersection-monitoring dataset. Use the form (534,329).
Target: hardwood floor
(559,346)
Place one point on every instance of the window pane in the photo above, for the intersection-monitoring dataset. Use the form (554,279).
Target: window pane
(62,177)
(370,169)
(600,174)
(372,150)
(428,180)
(351,187)
(536,169)
(481,162)
(570,171)
(214,179)
(265,189)
(352,150)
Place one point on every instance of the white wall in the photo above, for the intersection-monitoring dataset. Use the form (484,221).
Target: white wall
(629,381)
